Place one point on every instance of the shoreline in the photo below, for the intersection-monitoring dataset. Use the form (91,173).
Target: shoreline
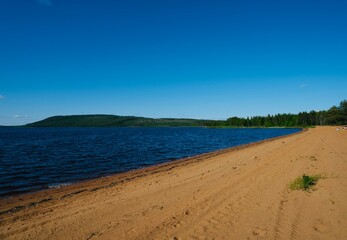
(236,193)
(73,188)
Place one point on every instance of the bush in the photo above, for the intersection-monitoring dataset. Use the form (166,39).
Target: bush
(304,182)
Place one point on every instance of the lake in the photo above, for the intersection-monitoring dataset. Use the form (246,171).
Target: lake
(32,159)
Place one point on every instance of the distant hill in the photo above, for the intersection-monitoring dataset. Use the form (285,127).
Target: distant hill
(336,115)
(114,121)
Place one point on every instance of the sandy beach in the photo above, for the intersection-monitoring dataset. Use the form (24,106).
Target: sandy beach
(238,193)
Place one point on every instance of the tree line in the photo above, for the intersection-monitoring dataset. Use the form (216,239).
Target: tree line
(336,115)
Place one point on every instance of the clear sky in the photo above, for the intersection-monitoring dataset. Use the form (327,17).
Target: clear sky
(170,58)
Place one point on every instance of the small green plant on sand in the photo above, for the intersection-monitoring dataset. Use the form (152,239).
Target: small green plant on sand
(304,182)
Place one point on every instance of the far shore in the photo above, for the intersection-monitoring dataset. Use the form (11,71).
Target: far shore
(237,193)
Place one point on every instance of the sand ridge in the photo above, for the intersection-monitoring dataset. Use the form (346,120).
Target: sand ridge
(231,194)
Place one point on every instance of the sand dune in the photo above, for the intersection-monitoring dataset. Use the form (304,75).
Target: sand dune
(238,193)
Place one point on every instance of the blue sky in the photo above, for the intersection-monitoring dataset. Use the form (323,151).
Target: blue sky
(172,58)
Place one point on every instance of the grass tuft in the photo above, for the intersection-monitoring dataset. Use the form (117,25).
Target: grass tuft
(304,182)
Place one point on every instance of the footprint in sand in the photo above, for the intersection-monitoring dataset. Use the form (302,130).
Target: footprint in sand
(259,232)
(178,224)
(322,226)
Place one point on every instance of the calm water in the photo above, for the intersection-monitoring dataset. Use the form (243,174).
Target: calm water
(38,158)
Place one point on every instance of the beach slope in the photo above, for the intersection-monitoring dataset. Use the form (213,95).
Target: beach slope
(240,193)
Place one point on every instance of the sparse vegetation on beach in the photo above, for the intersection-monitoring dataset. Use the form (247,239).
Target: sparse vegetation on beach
(304,182)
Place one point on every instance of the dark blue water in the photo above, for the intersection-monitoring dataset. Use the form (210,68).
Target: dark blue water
(38,158)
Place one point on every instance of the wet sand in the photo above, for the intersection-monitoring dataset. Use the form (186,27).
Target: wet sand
(239,193)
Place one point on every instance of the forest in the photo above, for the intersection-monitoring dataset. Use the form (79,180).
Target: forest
(336,115)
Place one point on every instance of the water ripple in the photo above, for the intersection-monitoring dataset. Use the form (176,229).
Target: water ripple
(40,158)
